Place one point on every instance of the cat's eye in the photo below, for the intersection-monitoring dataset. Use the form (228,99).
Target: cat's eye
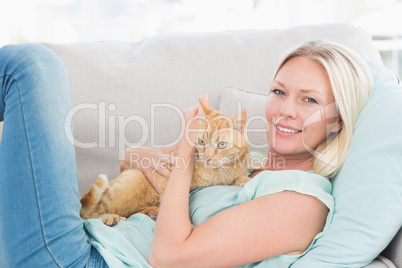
(222,145)
(201,141)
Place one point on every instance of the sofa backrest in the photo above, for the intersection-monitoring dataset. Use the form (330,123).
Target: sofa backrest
(129,94)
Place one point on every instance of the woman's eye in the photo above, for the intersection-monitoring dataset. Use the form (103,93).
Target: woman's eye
(222,145)
(201,141)
(278,92)
(311,100)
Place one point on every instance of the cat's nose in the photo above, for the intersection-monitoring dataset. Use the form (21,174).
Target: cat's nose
(207,159)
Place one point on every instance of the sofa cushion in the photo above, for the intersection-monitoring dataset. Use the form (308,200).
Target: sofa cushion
(129,94)
(368,188)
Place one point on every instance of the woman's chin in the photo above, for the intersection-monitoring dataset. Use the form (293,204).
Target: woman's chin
(288,151)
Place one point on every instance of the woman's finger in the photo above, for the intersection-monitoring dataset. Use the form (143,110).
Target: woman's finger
(164,171)
(165,158)
(190,112)
(205,99)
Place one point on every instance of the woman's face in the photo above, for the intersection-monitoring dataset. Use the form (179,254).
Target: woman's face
(300,109)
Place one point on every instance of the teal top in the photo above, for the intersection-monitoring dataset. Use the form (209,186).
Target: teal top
(128,243)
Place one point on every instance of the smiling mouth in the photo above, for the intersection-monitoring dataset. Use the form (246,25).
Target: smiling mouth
(287,130)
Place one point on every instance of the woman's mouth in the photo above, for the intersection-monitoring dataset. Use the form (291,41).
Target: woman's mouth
(286,131)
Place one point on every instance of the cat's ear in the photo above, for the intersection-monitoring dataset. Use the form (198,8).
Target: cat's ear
(239,120)
(204,107)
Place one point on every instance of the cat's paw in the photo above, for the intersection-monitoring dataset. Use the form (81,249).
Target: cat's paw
(112,219)
(153,214)
(241,181)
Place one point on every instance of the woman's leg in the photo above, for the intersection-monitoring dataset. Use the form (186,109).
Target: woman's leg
(39,201)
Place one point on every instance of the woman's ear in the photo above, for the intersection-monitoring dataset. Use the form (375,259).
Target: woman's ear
(337,127)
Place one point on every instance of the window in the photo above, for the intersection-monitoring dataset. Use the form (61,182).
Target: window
(134,20)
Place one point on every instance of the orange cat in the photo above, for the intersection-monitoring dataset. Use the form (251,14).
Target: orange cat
(222,159)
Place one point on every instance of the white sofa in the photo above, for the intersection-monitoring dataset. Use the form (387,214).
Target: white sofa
(130,94)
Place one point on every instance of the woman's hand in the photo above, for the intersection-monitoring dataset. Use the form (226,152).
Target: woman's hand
(191,123)
(149,160)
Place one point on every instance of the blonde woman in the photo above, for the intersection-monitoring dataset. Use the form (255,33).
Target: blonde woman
(312,106)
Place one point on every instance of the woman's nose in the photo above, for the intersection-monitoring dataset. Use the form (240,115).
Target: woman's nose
(288,109)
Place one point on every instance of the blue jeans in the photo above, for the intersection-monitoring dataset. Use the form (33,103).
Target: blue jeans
(40,224)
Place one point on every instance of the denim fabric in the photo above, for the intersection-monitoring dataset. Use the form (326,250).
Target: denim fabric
(96,260)
(40,224)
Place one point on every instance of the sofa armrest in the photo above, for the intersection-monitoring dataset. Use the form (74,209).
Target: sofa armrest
(394,250)
(381,262)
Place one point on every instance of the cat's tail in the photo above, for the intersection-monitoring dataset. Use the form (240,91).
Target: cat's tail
(92,197)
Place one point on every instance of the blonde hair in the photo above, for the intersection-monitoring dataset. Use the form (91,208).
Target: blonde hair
(351,84)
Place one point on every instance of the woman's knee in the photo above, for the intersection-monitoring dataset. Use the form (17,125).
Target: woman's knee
(31,69)
(33,58)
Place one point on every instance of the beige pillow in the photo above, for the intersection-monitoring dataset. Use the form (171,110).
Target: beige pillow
(232,100)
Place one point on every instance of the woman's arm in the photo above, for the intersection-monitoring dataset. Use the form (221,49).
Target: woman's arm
(173,225)
(282,223)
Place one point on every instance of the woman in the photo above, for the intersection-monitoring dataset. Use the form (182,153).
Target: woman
(312,106)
